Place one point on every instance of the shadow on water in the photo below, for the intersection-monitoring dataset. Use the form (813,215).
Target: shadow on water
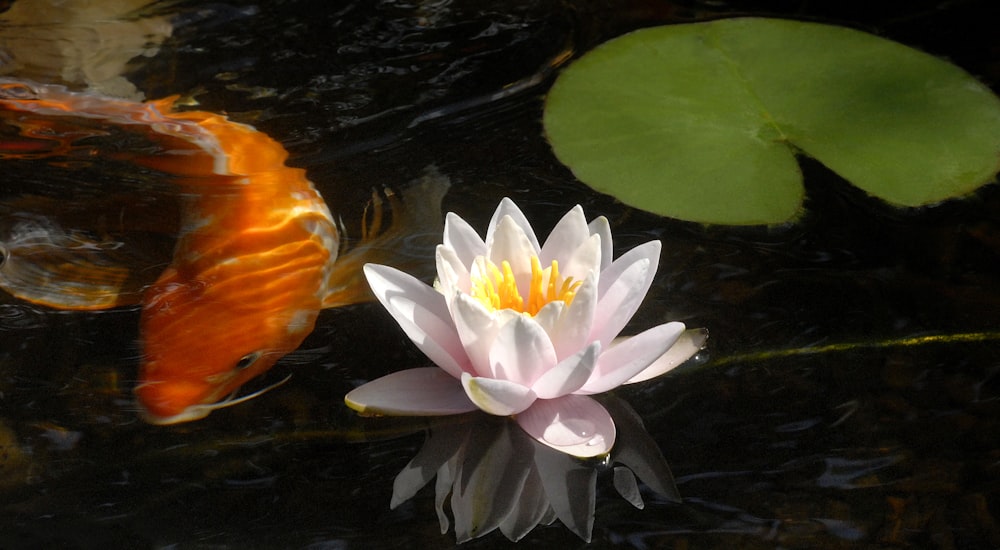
(849,397)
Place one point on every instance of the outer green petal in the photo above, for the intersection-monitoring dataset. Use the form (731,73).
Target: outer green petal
(689,343)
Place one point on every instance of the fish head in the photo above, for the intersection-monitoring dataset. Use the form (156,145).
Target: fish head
(201,342)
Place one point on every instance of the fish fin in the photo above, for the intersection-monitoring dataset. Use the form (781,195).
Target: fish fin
(407,244)
(44,263)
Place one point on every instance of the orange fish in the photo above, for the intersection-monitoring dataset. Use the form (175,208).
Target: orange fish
(255,260)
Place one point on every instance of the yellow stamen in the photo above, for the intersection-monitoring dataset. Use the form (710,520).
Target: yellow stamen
(497,289)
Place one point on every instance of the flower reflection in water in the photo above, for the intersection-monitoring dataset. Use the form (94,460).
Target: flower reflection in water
(492,475)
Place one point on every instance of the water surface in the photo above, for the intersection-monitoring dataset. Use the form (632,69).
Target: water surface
(849,396)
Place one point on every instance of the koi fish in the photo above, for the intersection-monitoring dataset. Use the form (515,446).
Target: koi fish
(255,257)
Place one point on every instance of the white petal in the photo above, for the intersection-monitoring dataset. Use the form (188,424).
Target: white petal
(498,397)
(508,208)
(601,227)
(462,238)
(567,235)
(689,343)
(549,316)
(572,331)
(569,375)
(422,313)
(521,351)
(510,243)
(631,356)
(621,288)
(573,424)
(480,268)
(477,327)
(413,392)
(585,259)
(452,273)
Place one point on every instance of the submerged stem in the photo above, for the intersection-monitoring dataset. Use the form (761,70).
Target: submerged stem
(909,341)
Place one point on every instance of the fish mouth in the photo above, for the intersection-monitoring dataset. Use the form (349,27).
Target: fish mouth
(160,402)
(194,412)
(198,410)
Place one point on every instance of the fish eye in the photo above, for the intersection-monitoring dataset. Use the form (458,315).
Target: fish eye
(3,254)
(248,360)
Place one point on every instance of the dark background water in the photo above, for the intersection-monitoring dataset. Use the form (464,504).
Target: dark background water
(879,428)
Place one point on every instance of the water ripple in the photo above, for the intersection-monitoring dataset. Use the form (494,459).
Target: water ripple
(20,317)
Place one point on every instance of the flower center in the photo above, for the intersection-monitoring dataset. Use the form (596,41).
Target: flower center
(496,287)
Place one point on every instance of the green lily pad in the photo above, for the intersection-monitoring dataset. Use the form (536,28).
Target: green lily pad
(702,121)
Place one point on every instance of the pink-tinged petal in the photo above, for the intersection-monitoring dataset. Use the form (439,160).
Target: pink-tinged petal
(549,316)
(621,289)
(462,238)
(499,397)
(453,274)
(422,313)
(413,392)
(521,351)
(631,356)
(569,375)
(574,424)
(689,343)
(508,208)
(510,243)
(567,235)
(572,331)
(477,327)
(601,227)
(585,259)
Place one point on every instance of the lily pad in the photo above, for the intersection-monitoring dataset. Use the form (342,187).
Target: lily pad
(703,121)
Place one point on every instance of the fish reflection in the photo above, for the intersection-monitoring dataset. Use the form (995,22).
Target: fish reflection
(495,476)
(256,255)
(89,44)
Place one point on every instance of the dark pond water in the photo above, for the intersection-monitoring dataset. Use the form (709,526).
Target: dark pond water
(849,396)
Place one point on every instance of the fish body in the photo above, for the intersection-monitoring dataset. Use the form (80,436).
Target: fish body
(255,258)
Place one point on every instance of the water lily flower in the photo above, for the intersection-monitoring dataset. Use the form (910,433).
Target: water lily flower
(522,329)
